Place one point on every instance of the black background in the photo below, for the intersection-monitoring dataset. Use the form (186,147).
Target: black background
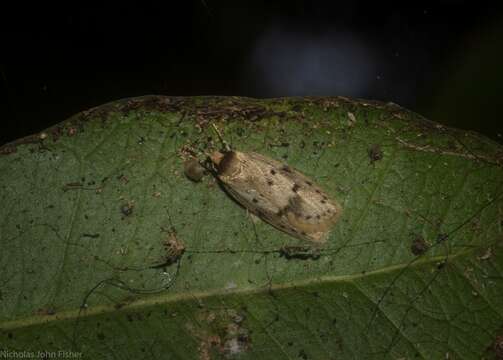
(442,59)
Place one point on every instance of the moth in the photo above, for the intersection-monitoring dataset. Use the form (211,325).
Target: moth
(277,193)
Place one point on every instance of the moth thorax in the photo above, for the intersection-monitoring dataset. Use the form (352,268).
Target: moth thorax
(227,163)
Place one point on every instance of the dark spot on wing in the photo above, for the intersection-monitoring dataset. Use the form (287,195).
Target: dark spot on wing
(303,233)
(318,217)
(286,168)
(309,183)
(323,201)
(308,217)
(255,200)
(270,183)
(295,188)
(273,172)
(318,191)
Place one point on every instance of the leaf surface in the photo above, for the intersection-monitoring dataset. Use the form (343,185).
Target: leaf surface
(413,269)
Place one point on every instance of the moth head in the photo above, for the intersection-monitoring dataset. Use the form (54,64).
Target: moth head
(226,163)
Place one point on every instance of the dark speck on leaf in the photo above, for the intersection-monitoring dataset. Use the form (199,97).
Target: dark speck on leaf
(375,153)
(498,346)
(419,246)
(303,355)
(127,209)
(93,236)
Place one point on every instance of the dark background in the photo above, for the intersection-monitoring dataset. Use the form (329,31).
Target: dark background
(442,59)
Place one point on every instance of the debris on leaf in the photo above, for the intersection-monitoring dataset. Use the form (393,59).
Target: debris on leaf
(127,208)
(352,119)
(419,246)
(375,153)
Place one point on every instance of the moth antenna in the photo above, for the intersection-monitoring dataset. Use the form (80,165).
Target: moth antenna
(225,145)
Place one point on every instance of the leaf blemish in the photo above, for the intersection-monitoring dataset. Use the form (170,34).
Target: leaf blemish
(127,208)
(419,246)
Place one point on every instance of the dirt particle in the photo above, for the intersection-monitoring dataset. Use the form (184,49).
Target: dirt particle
(123,178)
(92,236)
(298,253)
(127,208)
(351,119)
(302,354)
(71,131)
(486,255)
(375,153)
(419,246)
(46,311)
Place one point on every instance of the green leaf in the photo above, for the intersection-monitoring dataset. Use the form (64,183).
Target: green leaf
(413,269)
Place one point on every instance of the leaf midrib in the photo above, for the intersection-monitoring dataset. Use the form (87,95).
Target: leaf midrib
(170,298)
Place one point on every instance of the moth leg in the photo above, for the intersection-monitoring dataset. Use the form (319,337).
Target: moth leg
(254,218)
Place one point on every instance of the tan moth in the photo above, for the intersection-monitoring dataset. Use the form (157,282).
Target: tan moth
(277,193)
